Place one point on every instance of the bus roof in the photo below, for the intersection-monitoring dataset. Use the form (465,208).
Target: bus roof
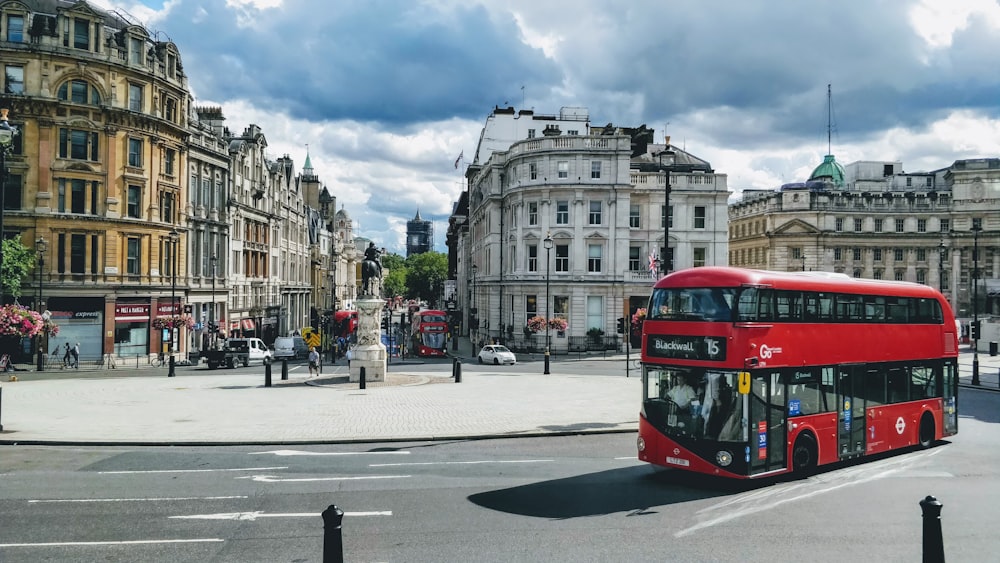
(724,276)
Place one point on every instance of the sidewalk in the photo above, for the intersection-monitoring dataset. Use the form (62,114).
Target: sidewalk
(129,406)
(234,407)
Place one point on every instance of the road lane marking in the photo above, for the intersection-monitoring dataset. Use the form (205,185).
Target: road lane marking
(190,470)
(762,500)
(304,453)
(273,479)
(123,542)
(151,499)
(252,516)
(459,462)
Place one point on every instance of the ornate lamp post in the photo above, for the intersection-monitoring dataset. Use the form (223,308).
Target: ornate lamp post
(548,248)
(40,246)
(213,324)
(6,144)
(666,157)
(977,226)
(174,237)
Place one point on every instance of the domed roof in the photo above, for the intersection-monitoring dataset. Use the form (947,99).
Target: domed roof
(829,169)
(342,214)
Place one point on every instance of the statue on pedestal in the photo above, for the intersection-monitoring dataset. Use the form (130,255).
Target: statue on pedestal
(371,271)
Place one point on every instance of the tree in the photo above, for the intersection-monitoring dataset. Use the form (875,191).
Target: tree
(18,260)
(426,274)
(394,282)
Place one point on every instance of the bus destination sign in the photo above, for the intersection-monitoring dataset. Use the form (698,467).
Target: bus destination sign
(711,348)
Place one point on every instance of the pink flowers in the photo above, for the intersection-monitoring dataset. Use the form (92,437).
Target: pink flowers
(538,323)
(16,320)
(558,323)
(638,317)
(186,321)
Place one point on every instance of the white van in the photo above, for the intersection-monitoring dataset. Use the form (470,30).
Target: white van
(258,350)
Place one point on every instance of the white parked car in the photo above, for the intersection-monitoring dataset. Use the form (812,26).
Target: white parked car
(496,354)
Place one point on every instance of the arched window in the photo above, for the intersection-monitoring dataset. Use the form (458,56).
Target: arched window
(79,92)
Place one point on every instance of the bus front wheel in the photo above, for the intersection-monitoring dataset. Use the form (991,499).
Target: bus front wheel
(926,430)
(804,453)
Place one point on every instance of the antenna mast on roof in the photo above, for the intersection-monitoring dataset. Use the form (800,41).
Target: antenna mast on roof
(829,119)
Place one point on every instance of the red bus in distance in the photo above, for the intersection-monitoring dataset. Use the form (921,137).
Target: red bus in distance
(429,333)
(345,323)
(750,373)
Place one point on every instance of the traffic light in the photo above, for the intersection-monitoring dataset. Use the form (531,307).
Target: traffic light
(621,325)
(975,330)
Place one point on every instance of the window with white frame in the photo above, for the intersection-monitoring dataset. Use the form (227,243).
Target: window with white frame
(135,152)
(595,213)
(897,254)
(532,171)
(169,159)
(560,307)
(921,225)
(857,225)
(635,259)
(857,253)
(838,224)
(134,97)
(532,212)
(136,51)
(562,257)
(595,312)
(899,225)
(594,255)
(562,169)
(532,264)
(635,216)
(878,225)
(699,216)
(562,213)
(698,254)
(13,79)
(595,169)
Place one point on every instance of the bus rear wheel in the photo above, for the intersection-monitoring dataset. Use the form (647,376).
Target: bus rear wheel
(804,454)
(926,430)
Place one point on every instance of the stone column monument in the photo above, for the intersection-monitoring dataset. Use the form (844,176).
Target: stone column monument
(370,353)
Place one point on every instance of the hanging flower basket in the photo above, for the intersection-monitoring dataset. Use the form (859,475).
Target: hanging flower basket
(50,328)
(16,320)
(558,323)
(536,324)
(185,321)
(638,317)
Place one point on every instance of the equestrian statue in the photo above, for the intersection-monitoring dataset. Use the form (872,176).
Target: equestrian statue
(371,271)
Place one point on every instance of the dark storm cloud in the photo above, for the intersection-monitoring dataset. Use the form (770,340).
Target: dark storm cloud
(390,62)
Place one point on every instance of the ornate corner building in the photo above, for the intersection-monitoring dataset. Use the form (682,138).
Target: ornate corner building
(97,172)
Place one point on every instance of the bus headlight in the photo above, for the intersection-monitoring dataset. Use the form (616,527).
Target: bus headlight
(640,443)
(723,458)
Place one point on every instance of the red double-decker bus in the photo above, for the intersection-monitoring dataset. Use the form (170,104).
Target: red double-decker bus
(429,333)
(749,373)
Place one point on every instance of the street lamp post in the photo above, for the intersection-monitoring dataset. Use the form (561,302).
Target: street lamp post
(941,248)
(174,236)
(474,312)
(548,248)
(977,226)
(214,319)
(40,246)
(6,144)
(666,157)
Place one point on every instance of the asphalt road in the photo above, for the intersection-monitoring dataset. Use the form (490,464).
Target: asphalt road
(571,498)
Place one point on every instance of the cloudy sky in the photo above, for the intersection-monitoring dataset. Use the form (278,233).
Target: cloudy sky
(387,93)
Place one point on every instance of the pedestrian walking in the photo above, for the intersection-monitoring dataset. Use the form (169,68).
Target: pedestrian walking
(67,356)
(313,361)
(75,352)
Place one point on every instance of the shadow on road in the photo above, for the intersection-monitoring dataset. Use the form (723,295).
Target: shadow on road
(638,490)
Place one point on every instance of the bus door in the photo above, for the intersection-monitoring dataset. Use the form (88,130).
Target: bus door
(768,431)
(950,398)
(851,410)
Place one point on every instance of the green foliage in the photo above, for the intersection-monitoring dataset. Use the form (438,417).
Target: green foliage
(394,280)
(393,262)
(18,261)
(426,274)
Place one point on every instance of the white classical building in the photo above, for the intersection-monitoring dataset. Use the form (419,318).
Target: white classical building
(599,196)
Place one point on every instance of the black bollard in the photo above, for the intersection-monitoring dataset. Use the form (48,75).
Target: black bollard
(267,373)
(458,371)
(933,542)
(1,409)
(333,540)
(284,370)
(320,365)
(362,380)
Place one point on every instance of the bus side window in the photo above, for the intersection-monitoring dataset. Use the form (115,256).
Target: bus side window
(899,385)
(923,383)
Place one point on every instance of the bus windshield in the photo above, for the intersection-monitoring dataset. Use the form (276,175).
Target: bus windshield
(698,403)
(692,304)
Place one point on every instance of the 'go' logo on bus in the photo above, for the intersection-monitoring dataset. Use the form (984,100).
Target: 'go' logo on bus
(766,352)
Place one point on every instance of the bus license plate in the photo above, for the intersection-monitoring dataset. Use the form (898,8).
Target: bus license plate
(678,461)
